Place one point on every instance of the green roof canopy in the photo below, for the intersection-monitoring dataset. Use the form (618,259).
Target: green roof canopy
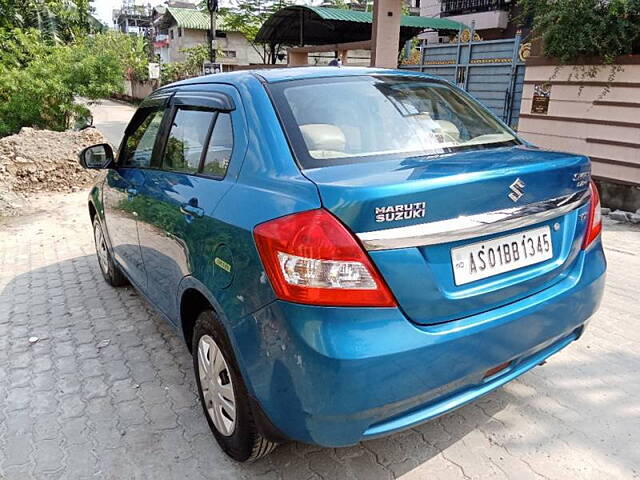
(191,18)
(367,17)
(321,26)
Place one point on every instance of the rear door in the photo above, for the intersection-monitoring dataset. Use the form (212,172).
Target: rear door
(178,236)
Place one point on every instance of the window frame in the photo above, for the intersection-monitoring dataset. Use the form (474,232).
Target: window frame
(156,102)
(170,115)
(206,150)
(301,154)
(144,112)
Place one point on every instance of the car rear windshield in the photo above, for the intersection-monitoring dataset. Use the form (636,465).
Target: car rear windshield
(353,119)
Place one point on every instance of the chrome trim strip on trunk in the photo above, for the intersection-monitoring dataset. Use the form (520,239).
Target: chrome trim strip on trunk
(466,227)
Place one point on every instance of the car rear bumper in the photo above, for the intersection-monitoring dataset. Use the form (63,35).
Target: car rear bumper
(335,376)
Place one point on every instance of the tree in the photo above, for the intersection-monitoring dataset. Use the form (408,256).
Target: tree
(588,34)
(39,80)
(247,16)
(573,29)
(57,20)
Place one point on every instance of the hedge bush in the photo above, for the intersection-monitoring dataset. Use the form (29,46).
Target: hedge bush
(39,80)
(574,29)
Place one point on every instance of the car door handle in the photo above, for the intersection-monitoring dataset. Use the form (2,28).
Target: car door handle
(192,210)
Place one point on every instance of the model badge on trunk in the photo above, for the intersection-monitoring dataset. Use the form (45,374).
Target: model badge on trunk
(405,211)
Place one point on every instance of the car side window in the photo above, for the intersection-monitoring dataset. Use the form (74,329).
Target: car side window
(220,147)
(139,144)
(186,140)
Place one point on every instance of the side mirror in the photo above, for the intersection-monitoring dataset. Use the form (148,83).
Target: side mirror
(96,157)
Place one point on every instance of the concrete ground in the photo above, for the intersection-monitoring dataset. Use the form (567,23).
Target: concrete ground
(107,390)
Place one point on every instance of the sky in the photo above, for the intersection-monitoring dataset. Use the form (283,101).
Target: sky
(104,8)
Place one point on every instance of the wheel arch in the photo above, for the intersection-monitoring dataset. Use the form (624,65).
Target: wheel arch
(94,202)
(92,211)
(193,298)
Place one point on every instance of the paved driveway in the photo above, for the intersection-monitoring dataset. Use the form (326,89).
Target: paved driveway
(111,118)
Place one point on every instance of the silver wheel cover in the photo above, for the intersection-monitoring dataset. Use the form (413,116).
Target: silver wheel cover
(216,385)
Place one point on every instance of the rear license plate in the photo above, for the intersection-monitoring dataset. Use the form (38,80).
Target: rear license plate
(492,257)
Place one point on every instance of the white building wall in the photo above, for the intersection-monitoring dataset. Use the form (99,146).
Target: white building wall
(245,54)
(484,20)
(189,38)
(430,8)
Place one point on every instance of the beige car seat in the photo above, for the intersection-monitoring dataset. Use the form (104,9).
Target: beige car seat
(324,140)
(449,129)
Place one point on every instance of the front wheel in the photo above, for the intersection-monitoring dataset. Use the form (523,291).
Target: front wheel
(222,392)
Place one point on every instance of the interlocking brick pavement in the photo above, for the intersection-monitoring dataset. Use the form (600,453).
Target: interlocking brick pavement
(108,392)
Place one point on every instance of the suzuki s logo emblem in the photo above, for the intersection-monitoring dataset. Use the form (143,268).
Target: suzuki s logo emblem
(517,190)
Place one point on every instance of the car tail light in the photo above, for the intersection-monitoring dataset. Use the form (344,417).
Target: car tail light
(311,258)
(594,224)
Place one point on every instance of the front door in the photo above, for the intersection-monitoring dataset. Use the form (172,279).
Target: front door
(121,189)
(180,193)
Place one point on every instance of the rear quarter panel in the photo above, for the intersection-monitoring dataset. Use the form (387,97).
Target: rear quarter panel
(269,185)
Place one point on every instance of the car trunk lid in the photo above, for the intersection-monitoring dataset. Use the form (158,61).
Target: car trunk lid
(394,199)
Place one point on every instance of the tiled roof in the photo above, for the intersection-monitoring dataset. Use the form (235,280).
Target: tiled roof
(191,18)
(366,17)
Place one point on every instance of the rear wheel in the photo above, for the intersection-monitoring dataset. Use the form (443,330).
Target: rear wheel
(222,392)
(110,271)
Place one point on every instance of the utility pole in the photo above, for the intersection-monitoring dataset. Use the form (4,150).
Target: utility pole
(213,11)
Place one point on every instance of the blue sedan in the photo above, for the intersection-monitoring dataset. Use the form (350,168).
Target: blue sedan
(347,252)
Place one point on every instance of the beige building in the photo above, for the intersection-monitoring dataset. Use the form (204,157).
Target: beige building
(595,116)
(184,26)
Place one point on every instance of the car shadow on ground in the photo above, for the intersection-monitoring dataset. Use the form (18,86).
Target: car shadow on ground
(108,386)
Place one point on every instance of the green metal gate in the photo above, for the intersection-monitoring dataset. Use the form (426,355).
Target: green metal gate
(492,71)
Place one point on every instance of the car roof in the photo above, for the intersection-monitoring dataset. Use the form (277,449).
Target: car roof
(274,75)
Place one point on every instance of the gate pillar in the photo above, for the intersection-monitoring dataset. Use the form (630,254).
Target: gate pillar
(385,33)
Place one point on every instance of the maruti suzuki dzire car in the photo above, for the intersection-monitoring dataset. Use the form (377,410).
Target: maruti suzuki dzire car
(347,252)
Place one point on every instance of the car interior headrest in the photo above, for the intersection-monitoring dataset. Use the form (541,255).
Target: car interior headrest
(449,128)
(323,137)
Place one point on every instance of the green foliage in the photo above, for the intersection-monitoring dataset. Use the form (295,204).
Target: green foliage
(52,51)
(131,51)
(19,47)
(573,29)
(171,72)
(40,79)
(195,57)
(57,20)
(247,16)
(191,67)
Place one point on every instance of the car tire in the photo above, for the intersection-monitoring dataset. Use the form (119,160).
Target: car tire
(110,271)
(234,429)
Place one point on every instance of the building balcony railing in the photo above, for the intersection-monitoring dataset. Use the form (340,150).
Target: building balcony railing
(450,8)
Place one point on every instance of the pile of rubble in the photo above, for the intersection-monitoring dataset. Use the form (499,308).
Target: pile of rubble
(42,161)
(622,216)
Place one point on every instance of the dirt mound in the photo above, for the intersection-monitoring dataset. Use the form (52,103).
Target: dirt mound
(42,160)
